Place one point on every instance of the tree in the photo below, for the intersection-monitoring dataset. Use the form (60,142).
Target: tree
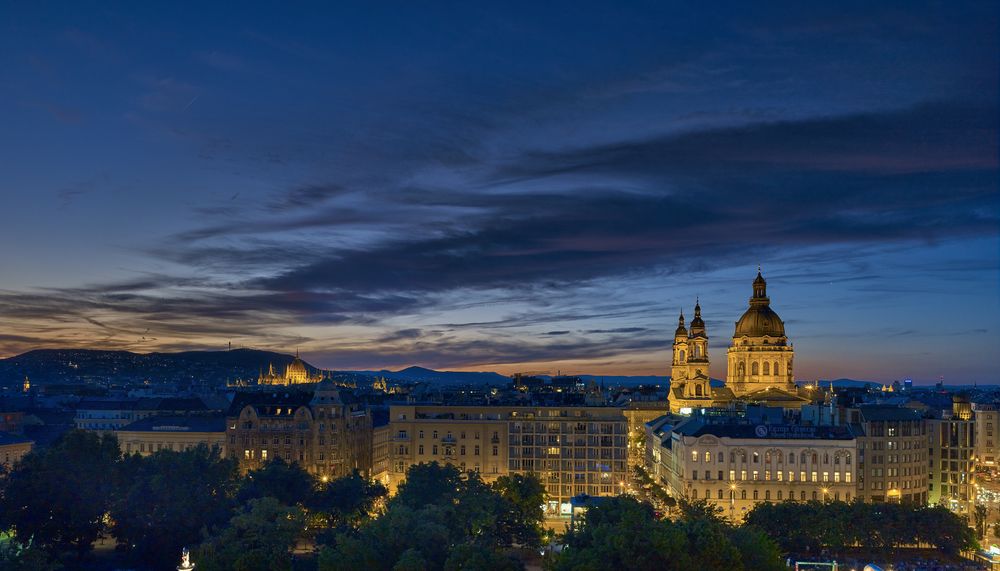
(476,557)
(980,514)
(400,536)
(624,534)
(165,500)
(527,496)
(56,498)
(347,501)
(429,483)
(15,558)
(290,484)
(439,516)
(259,537)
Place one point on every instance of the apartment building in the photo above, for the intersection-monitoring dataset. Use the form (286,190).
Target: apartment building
(892,453)
(987,421)
(952,457)
(573,449)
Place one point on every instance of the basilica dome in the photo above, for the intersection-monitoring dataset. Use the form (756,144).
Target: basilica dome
(760,320)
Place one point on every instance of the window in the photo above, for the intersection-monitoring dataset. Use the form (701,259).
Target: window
(719,496)
(708,456)
(755,368)
(476,450)
(494,450)
(814,476)
(263,454)
(420,449)
(246,454)
(847,477)
(743,475)
(767,371)
(780,474)
(836,477)
(756,475)
(826,476)
(694,455)
(756,458)
(779,494)
(732,475)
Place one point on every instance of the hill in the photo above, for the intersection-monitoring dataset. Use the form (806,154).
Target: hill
(53,366)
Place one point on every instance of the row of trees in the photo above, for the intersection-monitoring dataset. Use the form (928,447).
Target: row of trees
(58,501)
(444,519)
(812,526)
(624,534)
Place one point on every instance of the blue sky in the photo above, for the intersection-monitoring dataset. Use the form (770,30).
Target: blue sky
(504,186)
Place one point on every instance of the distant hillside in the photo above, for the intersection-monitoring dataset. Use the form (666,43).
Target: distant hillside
(52,366)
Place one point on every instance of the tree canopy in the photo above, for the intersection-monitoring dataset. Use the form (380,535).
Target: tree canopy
(57,498)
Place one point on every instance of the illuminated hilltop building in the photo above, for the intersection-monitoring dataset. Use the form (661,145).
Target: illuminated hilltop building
(295,373)
(759,361)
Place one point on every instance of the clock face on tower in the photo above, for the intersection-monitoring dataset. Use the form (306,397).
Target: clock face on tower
(761,431)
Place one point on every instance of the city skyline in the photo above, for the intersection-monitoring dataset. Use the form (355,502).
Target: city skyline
(475,188)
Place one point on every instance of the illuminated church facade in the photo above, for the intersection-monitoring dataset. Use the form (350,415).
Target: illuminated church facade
(295,373)
(759,362)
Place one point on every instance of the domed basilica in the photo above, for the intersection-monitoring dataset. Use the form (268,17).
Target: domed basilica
(759,361)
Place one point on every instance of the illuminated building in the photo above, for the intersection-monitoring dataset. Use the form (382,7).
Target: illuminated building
(892,453)
(987,420)
(295,373)
(759,361)
(952,457)
(12,448)
(325,431)
(572,449)
(177,433)
(738,462)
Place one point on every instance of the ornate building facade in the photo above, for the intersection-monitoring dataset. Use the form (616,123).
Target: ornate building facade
(759,361)
(760,356)
(295,373)
(325,431)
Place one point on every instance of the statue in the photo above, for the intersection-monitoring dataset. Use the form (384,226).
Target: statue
(186,564)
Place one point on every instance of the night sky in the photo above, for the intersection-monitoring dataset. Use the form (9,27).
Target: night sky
(504,186)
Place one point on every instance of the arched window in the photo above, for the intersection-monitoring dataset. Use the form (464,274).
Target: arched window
(779,494)
(802,458)
(755,369)
(719,458)
(708,456)
(767,494)
(743,494)
(755,494)
(694,494)
(732,457)
(682,356)
(741,371)
(815,495)
(815,458)
(697,390)
(767,368)
(802,495)
(777,371)
(720,494)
